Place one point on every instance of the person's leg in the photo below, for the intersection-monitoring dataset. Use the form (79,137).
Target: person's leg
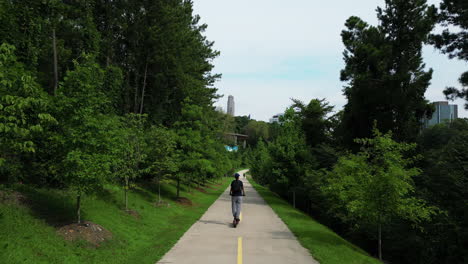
(238,206)
(233,206)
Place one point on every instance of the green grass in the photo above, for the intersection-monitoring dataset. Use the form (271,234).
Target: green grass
(28,233)
(323,244)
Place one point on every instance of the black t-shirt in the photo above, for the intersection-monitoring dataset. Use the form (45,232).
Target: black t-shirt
(239,191)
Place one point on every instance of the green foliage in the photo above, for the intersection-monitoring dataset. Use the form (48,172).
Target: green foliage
(241,123)
(289,153)
(199,154)
(128,147)
(384,71)
(260,164)
(376,184)
(257,130)
(24,113)
(454,14)
(160,147)
(86,129)
(444,184)
(316,122)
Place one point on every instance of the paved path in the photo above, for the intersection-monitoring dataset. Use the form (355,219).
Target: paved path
(260,238)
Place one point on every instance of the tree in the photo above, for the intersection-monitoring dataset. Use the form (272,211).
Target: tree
(376,184)
(260,164)
(444,183)
(161,160)
(454,43)
(256,130)
(384,71)
(241,123)
(316,123)
(129,147)
(291,159)
(86,129)
(24,113)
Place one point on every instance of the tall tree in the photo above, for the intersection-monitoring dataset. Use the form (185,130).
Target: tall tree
(453,40)
(86,129)
(24,114)
(291,159)
(384,71)
(129,148)
(376,184)
(160,162)
(315,120)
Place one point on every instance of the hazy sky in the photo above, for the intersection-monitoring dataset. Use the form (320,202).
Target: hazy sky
(274,50)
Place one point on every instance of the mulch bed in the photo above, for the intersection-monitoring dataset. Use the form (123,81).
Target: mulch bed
(88,231)
(184,201)
(133,213)
(201,190)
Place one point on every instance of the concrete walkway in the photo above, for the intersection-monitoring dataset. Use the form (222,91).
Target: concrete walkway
(260,238)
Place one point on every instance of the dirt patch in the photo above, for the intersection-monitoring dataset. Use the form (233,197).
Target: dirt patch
(184,201)
(12,197)
(88,231)
(211,187)
(133,213)
(201,190)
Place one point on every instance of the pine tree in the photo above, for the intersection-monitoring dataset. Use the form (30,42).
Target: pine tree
(384,71)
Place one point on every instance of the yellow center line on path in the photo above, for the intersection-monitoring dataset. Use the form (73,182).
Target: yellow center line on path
(239,250)
(240,217)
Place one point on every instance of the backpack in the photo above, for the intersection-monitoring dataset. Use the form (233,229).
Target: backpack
(236,186)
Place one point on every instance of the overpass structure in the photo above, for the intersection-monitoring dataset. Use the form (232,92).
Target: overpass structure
(236,138)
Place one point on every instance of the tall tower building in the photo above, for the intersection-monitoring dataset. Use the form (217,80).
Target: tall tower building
(230,105)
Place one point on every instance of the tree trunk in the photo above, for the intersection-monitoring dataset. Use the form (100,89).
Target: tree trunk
(135,101)
(380,241)
(178,187)
(126,194)
(78,207)
(294,198)
(143,89)
(54,47)
(159,190)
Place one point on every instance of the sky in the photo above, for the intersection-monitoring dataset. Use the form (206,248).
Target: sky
(275,50)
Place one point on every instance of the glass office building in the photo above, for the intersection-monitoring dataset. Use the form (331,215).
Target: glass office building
(444,112)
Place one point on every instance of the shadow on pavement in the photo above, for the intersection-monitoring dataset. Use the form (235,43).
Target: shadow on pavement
(216,222)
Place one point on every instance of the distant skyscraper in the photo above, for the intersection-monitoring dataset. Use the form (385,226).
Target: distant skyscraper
(443,113)
(230,106)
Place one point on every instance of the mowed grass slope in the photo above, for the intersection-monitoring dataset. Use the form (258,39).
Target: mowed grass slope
(28,232)
(324,245)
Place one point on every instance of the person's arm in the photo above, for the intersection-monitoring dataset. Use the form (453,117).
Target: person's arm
(230,191)
(243,192)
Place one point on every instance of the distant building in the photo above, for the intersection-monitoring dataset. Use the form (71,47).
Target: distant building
(276,118)
(230,105)
(444,112)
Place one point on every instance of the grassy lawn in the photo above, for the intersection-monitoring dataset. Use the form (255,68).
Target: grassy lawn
(28,232)
(326,246)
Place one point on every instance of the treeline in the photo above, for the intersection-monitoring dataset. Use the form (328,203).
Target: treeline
(371,172)
(95,92)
